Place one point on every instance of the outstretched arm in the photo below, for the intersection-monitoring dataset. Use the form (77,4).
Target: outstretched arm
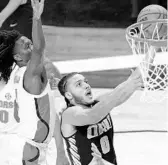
(78,116)
(37,37)
(9,9)
(35,73)
(37,33)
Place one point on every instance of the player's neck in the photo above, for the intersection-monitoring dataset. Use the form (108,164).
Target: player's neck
(87,105)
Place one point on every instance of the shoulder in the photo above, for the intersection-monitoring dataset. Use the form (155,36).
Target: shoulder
(72,108)
(71,111)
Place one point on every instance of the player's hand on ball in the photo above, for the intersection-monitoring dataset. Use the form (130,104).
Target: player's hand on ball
(38,6)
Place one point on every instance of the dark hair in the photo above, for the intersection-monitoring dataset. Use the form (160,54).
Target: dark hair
(7,43)
(62,85)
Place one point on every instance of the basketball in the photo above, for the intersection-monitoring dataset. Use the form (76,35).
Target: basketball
(153,12)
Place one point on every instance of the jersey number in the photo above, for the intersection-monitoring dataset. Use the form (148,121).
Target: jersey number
(4,116)
(105,145)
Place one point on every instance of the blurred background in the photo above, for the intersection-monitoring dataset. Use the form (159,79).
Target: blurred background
(89,36)
(94,13)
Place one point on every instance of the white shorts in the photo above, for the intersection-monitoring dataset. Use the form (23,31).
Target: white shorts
(49,157)
(11,149)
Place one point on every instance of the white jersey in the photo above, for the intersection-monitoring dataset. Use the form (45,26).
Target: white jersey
(9,118)
(35,111)
(30,117)
(37,115)
(11,145)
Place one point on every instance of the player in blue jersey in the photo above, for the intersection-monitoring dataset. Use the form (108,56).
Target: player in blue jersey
(87,120)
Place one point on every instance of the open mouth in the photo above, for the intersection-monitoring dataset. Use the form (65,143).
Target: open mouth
(89,93)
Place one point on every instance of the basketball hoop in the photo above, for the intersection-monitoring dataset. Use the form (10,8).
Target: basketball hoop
(149,43)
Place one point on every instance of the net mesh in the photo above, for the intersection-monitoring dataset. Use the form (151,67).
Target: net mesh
(148,41)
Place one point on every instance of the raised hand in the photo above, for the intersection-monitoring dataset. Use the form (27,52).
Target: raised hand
(38,7)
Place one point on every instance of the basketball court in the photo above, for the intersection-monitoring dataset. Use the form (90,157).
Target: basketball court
(140,128)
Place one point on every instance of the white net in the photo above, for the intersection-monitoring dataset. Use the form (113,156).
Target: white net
(148,41)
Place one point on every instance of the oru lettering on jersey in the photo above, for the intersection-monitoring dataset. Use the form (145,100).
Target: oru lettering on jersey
(97,129)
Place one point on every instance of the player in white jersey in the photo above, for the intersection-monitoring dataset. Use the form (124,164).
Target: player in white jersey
(53,154)
(25,126)
(9,120)
(54,131)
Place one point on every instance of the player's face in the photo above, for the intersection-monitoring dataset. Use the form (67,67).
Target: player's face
(23,49)
(79,90)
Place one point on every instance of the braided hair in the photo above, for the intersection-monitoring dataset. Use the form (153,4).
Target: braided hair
(7,44)
(63,84)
